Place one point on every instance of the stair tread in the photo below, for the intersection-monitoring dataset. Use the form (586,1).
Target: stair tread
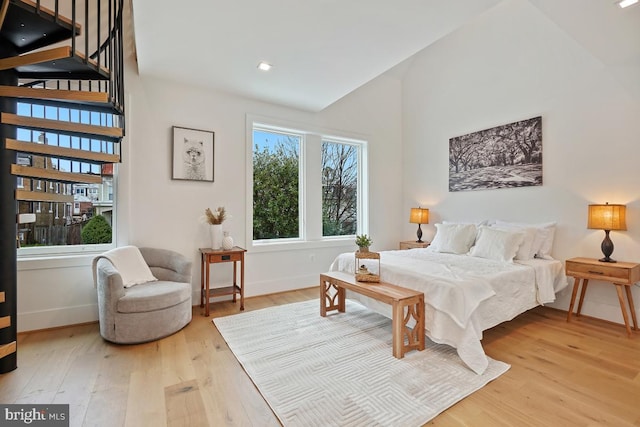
(24,28)
(61,152)
(5,322)
(95,101)
(75,96)
(56,63)
(41,196)
(55,175)
(101,132)
(7,349)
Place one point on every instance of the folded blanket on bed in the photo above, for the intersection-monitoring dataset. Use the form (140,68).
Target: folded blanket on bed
(130,264)
(550,279)
(443,285)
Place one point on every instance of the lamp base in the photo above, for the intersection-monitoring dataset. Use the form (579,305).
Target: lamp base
(419,235)
(607,248)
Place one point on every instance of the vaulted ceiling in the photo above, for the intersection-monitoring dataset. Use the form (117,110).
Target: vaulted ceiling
(322,50)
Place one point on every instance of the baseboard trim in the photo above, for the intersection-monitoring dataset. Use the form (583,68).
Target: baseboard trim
(58,317)
(268,287)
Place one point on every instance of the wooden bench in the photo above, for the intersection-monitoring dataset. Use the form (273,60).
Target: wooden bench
(333,286)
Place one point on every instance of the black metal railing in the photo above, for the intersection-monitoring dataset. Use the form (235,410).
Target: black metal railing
(100,46)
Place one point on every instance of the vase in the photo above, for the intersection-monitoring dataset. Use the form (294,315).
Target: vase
(227,241)
(216,236)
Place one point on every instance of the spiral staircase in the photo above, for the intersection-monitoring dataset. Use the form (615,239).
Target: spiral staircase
(59,56)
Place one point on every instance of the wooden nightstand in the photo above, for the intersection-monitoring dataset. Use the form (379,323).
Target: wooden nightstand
(620,274)
(412,244)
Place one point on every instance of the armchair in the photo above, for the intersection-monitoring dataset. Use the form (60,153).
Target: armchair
(146,311)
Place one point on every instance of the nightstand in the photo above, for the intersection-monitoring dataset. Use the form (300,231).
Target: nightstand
(619,274)
(412,244)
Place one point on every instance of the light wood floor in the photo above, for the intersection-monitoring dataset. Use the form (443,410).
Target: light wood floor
(586,373)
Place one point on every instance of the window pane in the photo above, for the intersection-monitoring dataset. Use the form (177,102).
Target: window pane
(339,189)
(61,223)
(276,185)
(65,221)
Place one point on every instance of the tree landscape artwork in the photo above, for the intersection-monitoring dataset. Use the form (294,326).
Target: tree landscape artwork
(501,157)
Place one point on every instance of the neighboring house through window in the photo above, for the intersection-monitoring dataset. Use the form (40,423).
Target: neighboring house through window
(63,208)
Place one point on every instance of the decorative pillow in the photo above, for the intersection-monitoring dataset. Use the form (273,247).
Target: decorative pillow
(499,245)
(526,249)
(543,242)
(549,231)
(131,265)
(453,238)
(476,223)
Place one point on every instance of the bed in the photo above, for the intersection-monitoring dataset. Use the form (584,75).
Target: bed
(493,275)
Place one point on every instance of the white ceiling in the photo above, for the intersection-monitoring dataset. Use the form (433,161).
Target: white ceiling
(321,50)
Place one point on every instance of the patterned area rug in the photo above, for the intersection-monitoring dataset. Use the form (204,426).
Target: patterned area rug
(340,371)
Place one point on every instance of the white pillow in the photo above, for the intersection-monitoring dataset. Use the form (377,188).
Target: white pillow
(543,242)
(453,238)
(499,245)
(476,223)
(549,232)
(526,250)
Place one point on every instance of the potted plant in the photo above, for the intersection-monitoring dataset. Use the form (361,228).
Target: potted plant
(363,241)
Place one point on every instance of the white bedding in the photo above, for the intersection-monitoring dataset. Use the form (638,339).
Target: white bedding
(464,295)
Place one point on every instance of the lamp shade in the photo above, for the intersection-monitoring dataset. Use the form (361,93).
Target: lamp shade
(607,217)
(419,216)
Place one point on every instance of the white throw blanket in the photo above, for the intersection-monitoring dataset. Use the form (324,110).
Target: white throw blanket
(464,295)
(130,264)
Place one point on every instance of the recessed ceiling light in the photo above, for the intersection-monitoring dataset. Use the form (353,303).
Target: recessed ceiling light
(265,66)
(626,3)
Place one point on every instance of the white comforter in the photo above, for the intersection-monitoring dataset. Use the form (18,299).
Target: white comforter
(464,295)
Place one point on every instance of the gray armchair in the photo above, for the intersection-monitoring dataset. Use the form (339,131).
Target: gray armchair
(147,311)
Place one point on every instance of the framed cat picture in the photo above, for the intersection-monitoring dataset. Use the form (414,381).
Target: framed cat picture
(192,154)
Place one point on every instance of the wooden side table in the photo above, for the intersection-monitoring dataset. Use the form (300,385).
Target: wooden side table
(411,244)
(213,256)
(620,274)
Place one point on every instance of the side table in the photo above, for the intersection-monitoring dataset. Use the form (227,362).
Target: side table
(619,274)
(213,256)
(411,244)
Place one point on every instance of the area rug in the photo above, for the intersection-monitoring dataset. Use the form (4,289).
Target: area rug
(339,370)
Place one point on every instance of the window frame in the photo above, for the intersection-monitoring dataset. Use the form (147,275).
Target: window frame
(310,198)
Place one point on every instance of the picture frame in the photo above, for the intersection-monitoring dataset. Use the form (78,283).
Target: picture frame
(193,154)
(505,156)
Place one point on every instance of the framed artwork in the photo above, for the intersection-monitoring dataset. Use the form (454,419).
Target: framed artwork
(192,154)
(501,157)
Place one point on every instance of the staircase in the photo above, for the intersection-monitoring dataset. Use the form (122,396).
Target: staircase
(61,117)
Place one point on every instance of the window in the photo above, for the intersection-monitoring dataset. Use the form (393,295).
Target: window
(306,186)
(63,209)
(339,188)
(276,184)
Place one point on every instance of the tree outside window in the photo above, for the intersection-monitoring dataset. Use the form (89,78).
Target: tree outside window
(339,189)
(276,185)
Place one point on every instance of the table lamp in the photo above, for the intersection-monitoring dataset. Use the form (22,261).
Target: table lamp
(419,216)
(607,217)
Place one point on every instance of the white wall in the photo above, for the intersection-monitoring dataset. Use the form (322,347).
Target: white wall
(510,64)
(154,210)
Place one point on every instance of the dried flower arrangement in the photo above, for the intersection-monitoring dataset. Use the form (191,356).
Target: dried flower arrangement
(216,217)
